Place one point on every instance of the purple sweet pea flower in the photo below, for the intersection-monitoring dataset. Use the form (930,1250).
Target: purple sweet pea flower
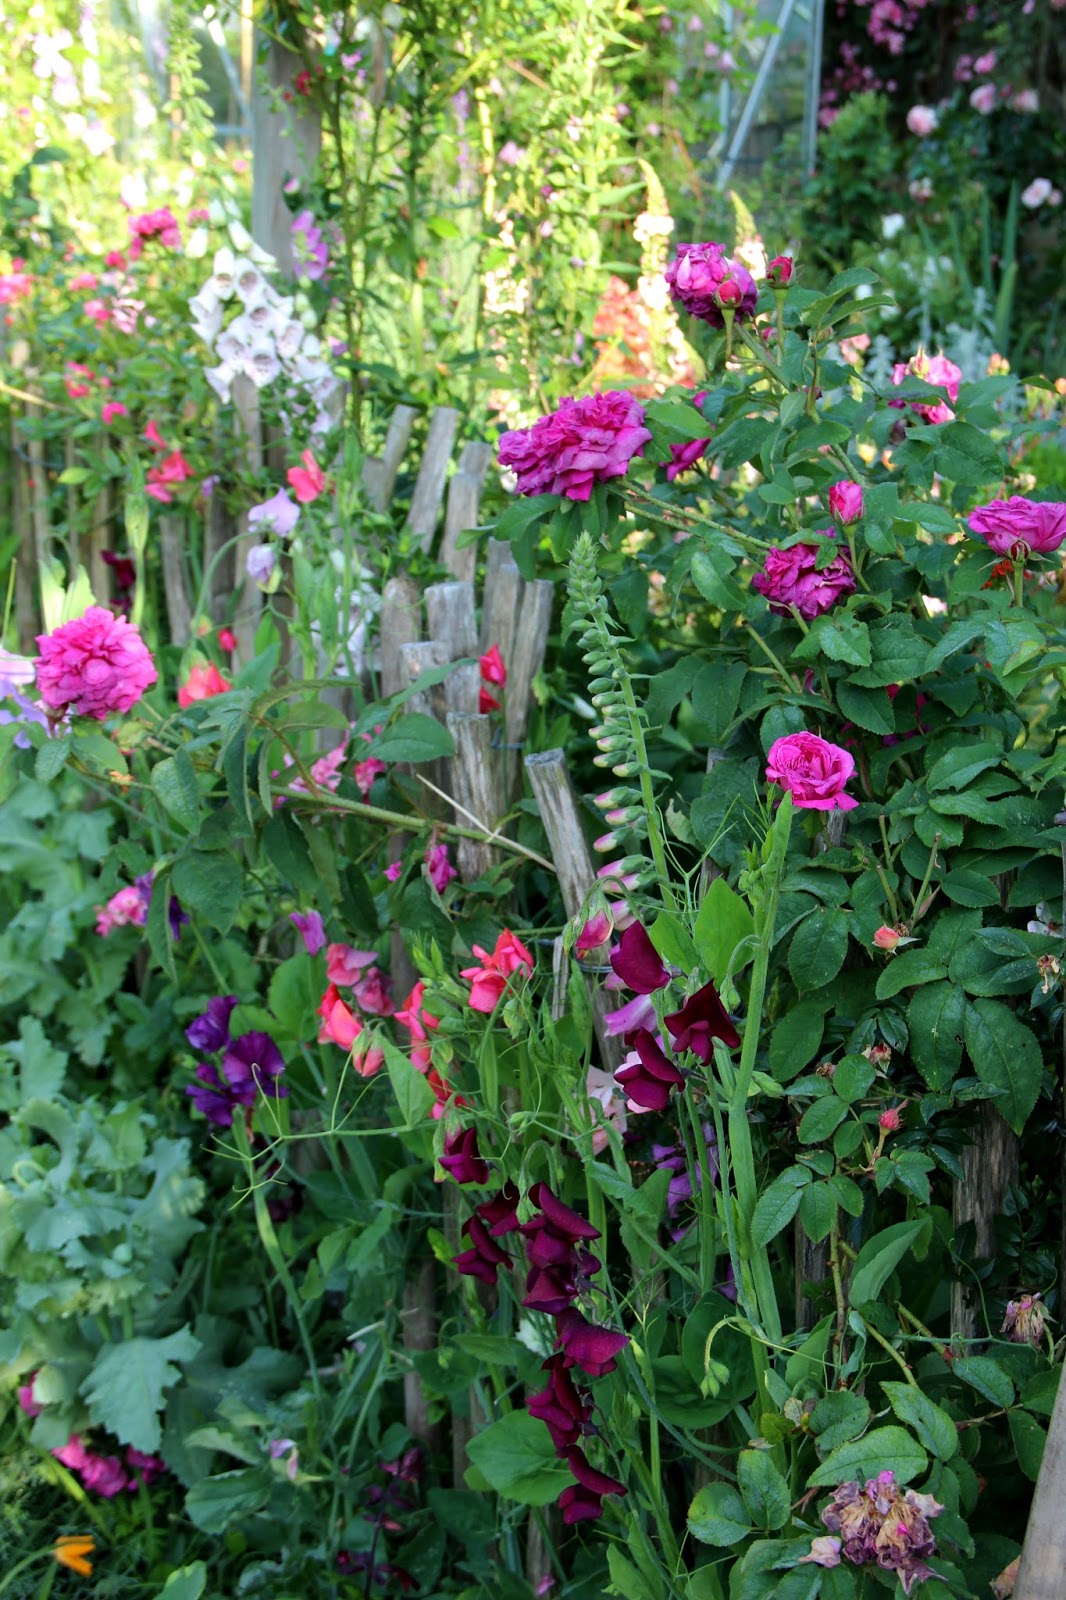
(250,1064)
(210,1031)
(261,562)
(638,963)
(16,674)
(310,925)
(636,1013)
(278,515)
(651,1079)
(176,917)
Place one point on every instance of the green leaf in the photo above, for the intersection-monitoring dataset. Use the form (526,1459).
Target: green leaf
(906,970)
(852,1078)
(818,948)
(795,1039)
(723,921)
(295,993)
(821,1119)
(1029,1440)
(764,1490)
(718,1515)
(516,1457)
(214,1504)
(413,737)
(41,1067)
(679,417)
(174,785)
(879,1257)
(51,758)
(413,1094)
(898,654)
(838,1417)
(774,1210)
(933,1426)
(712,573)
(626,1579)
(867,708)
(818,1209)
(286,849)
(967,888)
(962,764)
(124,1390)
(987,1377)
(1006,1056)
(888,1449)
(848,1194)
(839,636)
(671,938)
(210,884)
(185,1583)
(964,454)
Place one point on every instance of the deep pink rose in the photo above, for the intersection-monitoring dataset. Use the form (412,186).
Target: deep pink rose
(936,369)
(813,769)
(703,279)
(94,665)
(845,500)
(779,271)
(1017,527)
(790,578)
(683,456)
(586,441)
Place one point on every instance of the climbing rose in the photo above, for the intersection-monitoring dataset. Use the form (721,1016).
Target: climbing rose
(1018,527)
(779,271)
(94,665)
(683,456)
(586,441)
(703,279)
(791,578)
(203,682)
(922,121)
(161,225)
(813,769)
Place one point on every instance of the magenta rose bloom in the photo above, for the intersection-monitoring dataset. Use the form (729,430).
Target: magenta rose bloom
(813,769)
(683,456)
(93,665)
(586,441)
(1017,527)
(845,500)
(703,279)
(790,578)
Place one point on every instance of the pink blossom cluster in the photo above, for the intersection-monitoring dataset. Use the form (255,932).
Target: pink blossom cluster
(343,1020)
(161,224)
(936,370)
(107,1476)
(170,470)
(15,285)
(128,908)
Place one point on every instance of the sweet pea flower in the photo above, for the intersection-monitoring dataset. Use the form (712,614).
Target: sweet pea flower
(650,1079)
(210,1030)
(110,410)
(462,1158)
(492,666)
(261,564)
(813,770)
(594,934)
(419,1024)
(340,1025)
(127,908)
(489,980)
(204,681)
(346,965)
(792,578)
(637,962)
(583,1502)
(307,481)
(584,442)
(701,1020)
(439,868)
(94,665)
(845,501)
(278,515)
(310,253)
(1019,527)
(309,924)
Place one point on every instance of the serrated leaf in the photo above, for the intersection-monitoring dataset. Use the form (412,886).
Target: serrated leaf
(51,758)
(175,787)
(718,1516)
(1029,1439)
(933,1426)
(764,1489)
(821,1119)
(987,1377)
(840,637)
(879,1258)
(818,1209)
(888,1449)
(1006,1056)
(907,969)
(818,948)
(838,1417)
(125,1389)
(774,1210)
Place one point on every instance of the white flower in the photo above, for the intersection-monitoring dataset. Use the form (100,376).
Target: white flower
(893,224)
(221,283)
(221,380)
(262,364)
(248,281)
(196,244)
(133,191)
(240,238)
(207,314)
(1039,191)
(232,345)
(288,340)
(262,319)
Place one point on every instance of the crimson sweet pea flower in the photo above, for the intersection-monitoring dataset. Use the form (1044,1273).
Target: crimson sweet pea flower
(637,962)
(560,1406)
(489,980)
(484,1255)
(463,1159)
(650,1080)
(583,1502)
(587,1345)
(204,681)
(500,1214)
(492,667)
(701,1020)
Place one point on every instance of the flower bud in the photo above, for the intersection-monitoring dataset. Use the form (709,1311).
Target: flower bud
(890,1121)
(621,816)
(845,501)
(779,271)
(887,938)
(607,841)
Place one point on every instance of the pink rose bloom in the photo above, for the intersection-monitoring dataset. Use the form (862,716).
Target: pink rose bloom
(683,456)
(364,773)
(112,409)
(441,872)
(937,370)
(346,965)
(845,500)
(814,770)
(704,280)
(161,225)
(1018,527)
(779,271)
(586,441)
(983,98)
(94,665)
(790,578)
(922,121)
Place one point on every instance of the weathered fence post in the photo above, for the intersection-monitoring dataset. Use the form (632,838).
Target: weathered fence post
(464,497)
(1042,1567)
(991,1165)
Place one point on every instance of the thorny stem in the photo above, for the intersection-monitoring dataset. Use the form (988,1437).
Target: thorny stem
(786,677)
(839,1349)
(894,1353)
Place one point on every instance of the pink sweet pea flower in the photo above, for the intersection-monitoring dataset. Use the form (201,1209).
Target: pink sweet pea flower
(372,993)
(311,930)
(341,1026)
(419,1025)
(489,980)
(346,965)
(175,469)
(154,437)
(594,934)
(204,681)
(307,482)
(492,667)
(439,868)
(110,410)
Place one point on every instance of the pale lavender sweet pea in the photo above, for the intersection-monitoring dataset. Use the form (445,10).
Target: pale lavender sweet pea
(278,515)
(310,926)
(261,563)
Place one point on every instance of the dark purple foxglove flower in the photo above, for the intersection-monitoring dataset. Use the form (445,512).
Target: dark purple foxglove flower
(637,962)
(561,1407)
(210,1031)
(255,1058)
(701,1020)
(484,1255)
(309,924)
(583,1502)
(587,1345)
(463,1159)
(649,1081)
(500,1214)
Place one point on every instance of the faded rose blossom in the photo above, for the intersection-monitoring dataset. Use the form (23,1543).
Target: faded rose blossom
(881,1525)
(584,442)
(704,280)
(936,370)
(1019,527)
(127,908)
(94,665)
(824,1551)
(845,501)
(1023,1320)
(813,770)
(791,578)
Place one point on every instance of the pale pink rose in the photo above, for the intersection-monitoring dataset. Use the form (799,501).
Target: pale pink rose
(585,442)
(790,578)
(936,370)
(983,98)
(94,665)
(813,770)
(1037,193)
(922,121)
(986,63)
(1026,101)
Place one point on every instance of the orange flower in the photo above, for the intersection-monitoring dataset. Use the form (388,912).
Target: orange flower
(71,1550)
